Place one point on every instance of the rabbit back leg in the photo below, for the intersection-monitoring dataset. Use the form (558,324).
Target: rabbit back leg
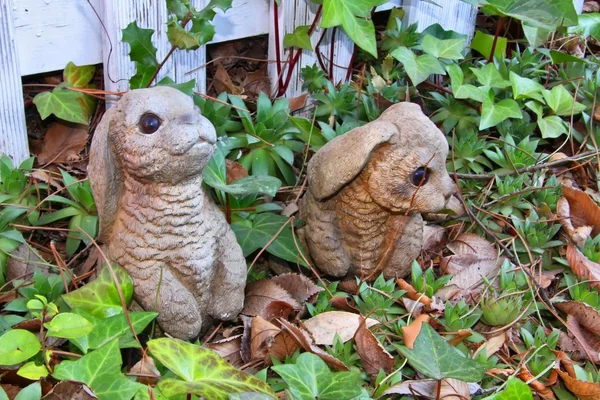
(229,280)
(178,311)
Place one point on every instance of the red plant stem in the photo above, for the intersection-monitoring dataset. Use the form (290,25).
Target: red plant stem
(277,45)
(498,29)
(293,59)
(331,53)
(318,51)
(351,64)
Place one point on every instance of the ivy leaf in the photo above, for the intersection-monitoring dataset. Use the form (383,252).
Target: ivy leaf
(186,87)
(18,345)
(483,43)
(548,14)
(32,371)
(435,358)
(78,77)
(202,371)
(298,39)
(354,16)
(31,392)
(515,390)
(310,378)
(449,48)
(100,297)
(101,371)
(536,36)
(142,52)
(178,7)
(68,325)
(494,113)
(418,68)
(589,25)
(63,103)
(460,90)
(202,32)
(490,77)
(552,126)
(255,234)
(525,88)
(561,101)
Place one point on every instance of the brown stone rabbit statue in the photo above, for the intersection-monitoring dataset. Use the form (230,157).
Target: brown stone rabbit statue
(367,190)
(156,220)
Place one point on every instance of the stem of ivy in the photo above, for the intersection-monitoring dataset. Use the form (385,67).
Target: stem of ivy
(278,48)
(331,54)
(184,22)
(498,29)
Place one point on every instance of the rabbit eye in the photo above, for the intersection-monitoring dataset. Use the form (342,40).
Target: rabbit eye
(420,176)
(149,123)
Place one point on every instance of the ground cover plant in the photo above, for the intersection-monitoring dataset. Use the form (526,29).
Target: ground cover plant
(503,302)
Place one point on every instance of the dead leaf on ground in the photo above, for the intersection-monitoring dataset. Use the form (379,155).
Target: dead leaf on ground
(590,344)
(453,389)
(545,278)
(344,304)
(262,336)
(578,235)
(70,390)
(297,103)
(261,293)
(469,270)
(304,340)
(588,317)
(299,286)
(591,6)
(427,388)
(145,371)
(62,143)
(582,389)
(582,266)
(222,81)
(374,356)
(583,210)
(324,326)
(229,349)
(492,345)
(234,171)
(470,243)
(411,331)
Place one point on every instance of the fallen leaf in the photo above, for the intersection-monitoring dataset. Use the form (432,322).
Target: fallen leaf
(587,316)
(229,349)
(234,171)
(260,294)
(70,390)
(426,388)
(222,81)
(373,355)
(453,389)
(299,286)
(469,274)
(344,304)
(298,102)
(411,331)
(325,326)
(582,266)
(589,342)
(545,277)
(304,340)
(62,143)
(492,345)
(542,391)
(277,309)
(262,338)
(582,389)
(412,293)
(583,210)
(580,234)
(470,243)
(145,371)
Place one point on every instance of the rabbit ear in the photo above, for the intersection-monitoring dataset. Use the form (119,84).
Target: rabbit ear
(105,176)
(341,160)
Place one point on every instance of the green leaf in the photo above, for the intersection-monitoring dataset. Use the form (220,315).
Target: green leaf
(558,57)
(494,113)
(552,126)
(482,42)
(101,371)
(525,88)
(418,68)
(186,87)
(178,7)
(17,346)
(536,36)
(460,90)
(202,32)
(68,325)
(298,39)
(100,297)
(63,103)
(561,101)
(490,77)
(108,329)
(32,371)
(204,373)
(548,14)
(516,389)
(450,49)
(439,32)
(3,395)
(254,235)
(142,52)
(310,378)
(589,25)
(31,392)
(78,77)
(354,16)
(435,358)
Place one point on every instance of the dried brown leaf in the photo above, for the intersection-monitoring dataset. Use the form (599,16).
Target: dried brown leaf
(229,349)
(344,304)
(282,347)
(324,326)
(222,81)
(69,390)
(411,331)
(583,210)
(578,235)
(304,340)
(582,266)
(62,143)
(297,103)
(582,389)
(145,371)
(299,286)
(590,343)
(588,317)
(470,243)
(234,171)
(260,294)
(374,356)
(453,389)
(262,336)
(427,388)
(277,309)
(492,345)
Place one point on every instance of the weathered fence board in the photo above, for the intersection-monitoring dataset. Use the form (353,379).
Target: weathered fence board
(450,14)
(13,135)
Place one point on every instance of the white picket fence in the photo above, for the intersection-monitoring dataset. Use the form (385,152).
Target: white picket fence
(44,35)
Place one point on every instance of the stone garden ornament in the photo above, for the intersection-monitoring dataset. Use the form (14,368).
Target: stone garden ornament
(156,220)
(367,191)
